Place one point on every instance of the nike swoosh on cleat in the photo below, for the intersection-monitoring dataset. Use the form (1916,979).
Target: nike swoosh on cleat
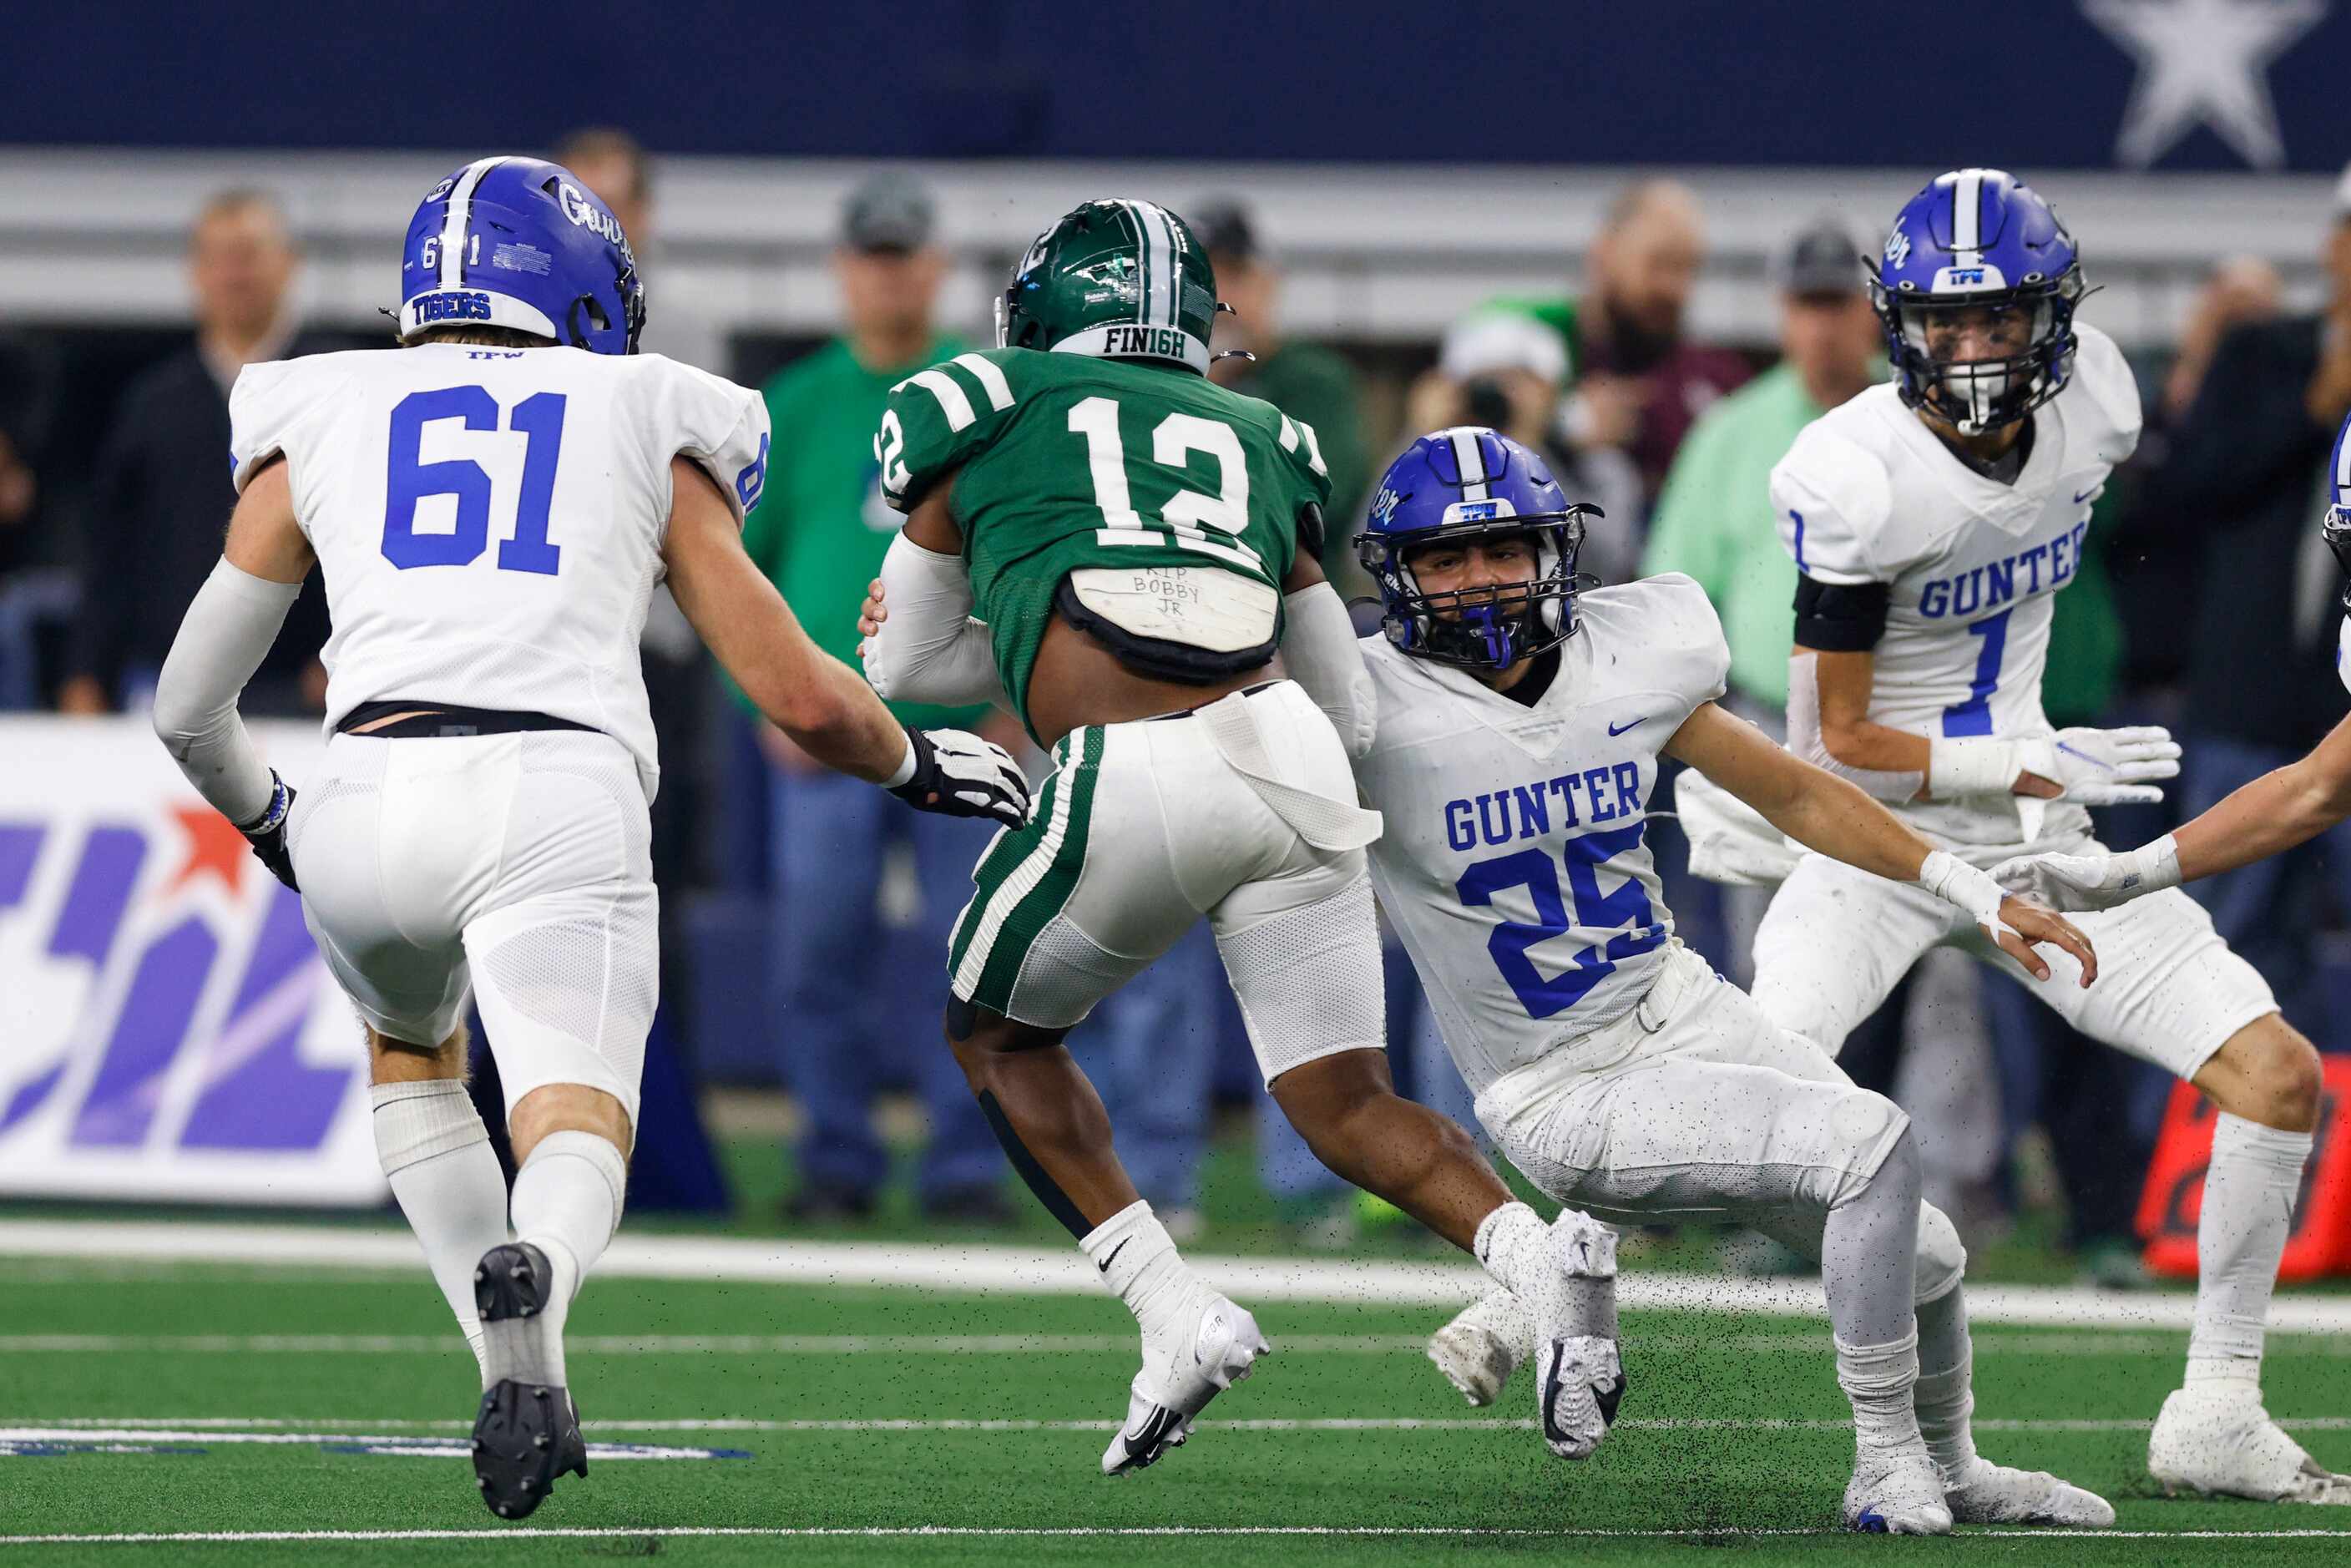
(1552,1389)
(1146,1440)
(1621,728)
(1105,1263)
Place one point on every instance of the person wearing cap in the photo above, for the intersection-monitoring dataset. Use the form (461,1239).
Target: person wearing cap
(1304,380)
(1713,518)
(2241,481)
(856,996)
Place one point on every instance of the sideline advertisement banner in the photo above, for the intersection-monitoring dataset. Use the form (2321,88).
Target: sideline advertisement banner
(166,1029)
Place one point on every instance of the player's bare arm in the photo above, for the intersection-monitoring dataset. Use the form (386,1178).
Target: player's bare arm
(814,698)
(1836,818)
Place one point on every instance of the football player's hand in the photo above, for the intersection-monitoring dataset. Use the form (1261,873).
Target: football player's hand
(2024,925)
(2105,767)
(870,614)
(2086,883)
(267,833)
(957,774)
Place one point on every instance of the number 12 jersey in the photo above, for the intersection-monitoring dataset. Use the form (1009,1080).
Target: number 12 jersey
(1064,462)
(490,522)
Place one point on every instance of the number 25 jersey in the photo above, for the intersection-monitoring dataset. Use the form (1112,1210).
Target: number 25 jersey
(1064,462)
(490,522)
(1515,863)
(1972,567)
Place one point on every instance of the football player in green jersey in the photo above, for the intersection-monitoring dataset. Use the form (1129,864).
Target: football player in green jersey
(1106,543)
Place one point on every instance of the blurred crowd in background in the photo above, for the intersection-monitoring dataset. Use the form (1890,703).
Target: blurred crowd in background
(805,913)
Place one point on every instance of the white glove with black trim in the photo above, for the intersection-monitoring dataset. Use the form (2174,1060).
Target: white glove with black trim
(957,774)
(2073,884)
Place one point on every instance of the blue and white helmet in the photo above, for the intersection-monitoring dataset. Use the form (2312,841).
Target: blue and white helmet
(1466,482)
(521,243)
(2336,528)
(1977,237)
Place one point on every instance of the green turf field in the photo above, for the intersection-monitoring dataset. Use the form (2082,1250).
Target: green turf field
(169,1400)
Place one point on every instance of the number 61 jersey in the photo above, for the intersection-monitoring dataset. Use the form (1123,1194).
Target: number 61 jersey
(1515,864)
(1168,503)
(490,521)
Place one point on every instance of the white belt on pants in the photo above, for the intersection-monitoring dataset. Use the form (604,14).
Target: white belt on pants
(1327,824)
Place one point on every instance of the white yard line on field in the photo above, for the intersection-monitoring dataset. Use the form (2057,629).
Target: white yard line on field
(786,1532)
(976,1268)
(289,1432)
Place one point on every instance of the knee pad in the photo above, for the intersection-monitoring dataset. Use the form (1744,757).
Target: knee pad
(1941,1259)
(1309,980)
(1870,1135)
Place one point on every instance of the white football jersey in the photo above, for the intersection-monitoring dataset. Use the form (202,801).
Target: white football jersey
(490,521)
(1868,494)
(1514,864)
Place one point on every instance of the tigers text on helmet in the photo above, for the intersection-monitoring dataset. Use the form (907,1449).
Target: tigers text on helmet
(520,243)
(1976,239)
(1468,482)
(1117,279)
(2336,529)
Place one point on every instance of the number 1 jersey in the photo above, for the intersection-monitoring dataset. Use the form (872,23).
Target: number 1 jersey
(1515,863)
(490,522)
(1064,463)
(1972,567)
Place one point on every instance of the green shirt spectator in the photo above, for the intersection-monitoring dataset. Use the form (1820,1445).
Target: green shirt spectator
(1713,520)
(822,527)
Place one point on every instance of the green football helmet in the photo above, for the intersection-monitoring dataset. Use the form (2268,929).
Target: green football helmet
(1117,279)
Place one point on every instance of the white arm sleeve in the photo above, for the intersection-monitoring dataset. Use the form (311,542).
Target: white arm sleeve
(930,649)
(223,639)
(1805,736)
(1318,644)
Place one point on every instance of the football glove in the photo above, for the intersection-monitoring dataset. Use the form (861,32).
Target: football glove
(266,832)
(957,774)
(2077,884)
(2094,766)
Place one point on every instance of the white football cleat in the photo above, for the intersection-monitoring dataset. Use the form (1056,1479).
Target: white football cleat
(1182,1371)
(1986,1493)
(2218,1440)
(1580,1383)
(1477,1350)
(1896,1491)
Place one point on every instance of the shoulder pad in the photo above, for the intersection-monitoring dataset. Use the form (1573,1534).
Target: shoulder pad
(707,418)
(938,418)
(1831,499)
(268,400)
(2103,379)
(1679,632)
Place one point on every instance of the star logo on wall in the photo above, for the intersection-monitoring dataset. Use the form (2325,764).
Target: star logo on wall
(2202,62)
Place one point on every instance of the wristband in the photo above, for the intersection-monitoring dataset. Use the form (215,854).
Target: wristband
(280,799)
(2153,866)
(1973,767)
(905,768)
(1954,881)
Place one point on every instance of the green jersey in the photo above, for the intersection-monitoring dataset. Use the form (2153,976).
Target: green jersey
(1064,462)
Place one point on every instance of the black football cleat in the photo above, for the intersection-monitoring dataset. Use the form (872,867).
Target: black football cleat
(527,1432)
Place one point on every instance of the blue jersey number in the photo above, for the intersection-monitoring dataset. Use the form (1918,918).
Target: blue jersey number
(407,481)
(1543,995)
(1973,716)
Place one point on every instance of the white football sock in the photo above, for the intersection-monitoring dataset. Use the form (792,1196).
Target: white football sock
(2249,1192)
(1510,1243)
(1880,1380)
(1138,1261)
(1945,1398)
(567,1203)
(436,1154)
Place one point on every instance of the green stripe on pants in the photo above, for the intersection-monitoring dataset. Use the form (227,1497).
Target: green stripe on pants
(1018,927)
